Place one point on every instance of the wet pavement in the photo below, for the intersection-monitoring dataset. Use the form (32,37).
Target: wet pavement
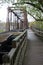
(34,53)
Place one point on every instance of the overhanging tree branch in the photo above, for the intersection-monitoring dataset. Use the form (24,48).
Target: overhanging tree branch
(31,15)
(34,5)
(34,17)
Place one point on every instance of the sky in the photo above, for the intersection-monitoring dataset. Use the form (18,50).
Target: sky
(3,13)
(30,18)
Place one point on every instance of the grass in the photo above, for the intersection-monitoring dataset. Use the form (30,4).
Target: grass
(1,31)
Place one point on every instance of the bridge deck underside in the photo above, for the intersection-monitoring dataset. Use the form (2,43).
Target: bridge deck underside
(34,53)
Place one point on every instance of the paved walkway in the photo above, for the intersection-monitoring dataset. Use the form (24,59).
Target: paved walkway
(34,53)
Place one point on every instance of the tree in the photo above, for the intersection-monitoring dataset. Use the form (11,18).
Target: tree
(34,8)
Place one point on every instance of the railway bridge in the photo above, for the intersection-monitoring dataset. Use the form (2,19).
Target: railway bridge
(20,45)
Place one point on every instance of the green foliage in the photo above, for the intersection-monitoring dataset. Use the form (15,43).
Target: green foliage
(38,24)
(34,7)
(1,31)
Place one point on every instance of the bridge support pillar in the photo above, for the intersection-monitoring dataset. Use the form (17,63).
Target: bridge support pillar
(17,23)
(25,19)
(21,25)
(8,23)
